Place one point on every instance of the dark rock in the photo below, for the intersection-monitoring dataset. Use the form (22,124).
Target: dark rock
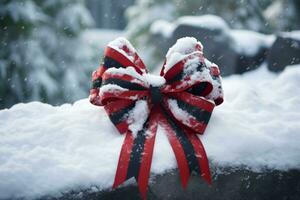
(236,184)
(250,62)
(227,184)
(285,51)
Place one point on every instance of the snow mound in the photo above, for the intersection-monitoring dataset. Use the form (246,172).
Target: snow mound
(293,34)
(212,22)
(249,42)
(45,150)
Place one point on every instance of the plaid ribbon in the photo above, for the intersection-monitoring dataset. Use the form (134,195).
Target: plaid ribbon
(182,106)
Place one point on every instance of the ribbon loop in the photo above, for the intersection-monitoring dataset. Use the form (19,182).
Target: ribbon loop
(181,100)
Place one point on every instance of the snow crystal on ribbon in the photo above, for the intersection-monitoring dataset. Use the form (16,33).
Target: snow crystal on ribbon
(179,113)
(190,68)
(191,65)
(138,116)
(181,49)
(217,91)
(204,76)
(145,79)
(154,80)
(123,46)
(128,71)
(111,88)
(192,74)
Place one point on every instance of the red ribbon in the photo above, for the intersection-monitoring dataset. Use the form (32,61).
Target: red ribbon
(182,107)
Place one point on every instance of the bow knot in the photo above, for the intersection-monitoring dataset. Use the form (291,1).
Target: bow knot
(156,95)
(180,100)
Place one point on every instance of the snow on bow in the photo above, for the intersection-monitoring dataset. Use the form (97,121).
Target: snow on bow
(180,100)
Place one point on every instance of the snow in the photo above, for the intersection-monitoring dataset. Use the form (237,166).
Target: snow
(206,21)
(128,71)
(179,113)
(111,88)
(154,80)
(250,42)
(244,41)
(144,79)
(46,150)
(138,116)
(181,49)
(293,34)
(23,11)
(121,42)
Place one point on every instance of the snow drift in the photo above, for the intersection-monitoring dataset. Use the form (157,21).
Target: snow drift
(45,150)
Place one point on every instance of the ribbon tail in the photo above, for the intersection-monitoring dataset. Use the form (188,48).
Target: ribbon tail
(188,150)
(136,156)
(124,158)
(180,156)
(146,160)
(201,156)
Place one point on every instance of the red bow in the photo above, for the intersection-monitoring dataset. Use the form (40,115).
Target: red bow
(180,100)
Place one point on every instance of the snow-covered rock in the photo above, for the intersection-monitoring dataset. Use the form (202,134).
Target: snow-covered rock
(250,42)
(235,51)
(47,150)
(211,22)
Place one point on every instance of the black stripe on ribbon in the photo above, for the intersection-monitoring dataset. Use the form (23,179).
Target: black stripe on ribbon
(119,116)
(97,83)
(201,115)
(124,84)
(181,73)
(110,62)
(198,89)
(185,143)
(137,152)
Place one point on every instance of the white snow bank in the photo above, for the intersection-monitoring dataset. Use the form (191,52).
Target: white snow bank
(48,150)
(208,21)
(249,42)
(293,34)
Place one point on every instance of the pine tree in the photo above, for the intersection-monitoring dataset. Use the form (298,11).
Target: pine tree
(42,55)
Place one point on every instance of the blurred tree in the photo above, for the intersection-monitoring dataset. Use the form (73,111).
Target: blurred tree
(283,15)
(42,56)
(140,17)
(242,14)
(109,14)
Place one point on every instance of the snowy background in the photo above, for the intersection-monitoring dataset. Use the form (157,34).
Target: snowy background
(49,48)
(53,140)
